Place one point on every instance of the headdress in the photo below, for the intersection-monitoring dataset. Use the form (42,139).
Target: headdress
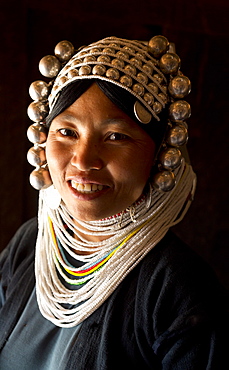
(149,71)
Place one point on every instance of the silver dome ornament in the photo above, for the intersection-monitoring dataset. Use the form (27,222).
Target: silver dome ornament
(99,70)
(170,158)
(49,66)
(39,90)
(64,50)
(177,136)
(36,156)
(169,63)
(179,87)
(37,111)
(158,45)
(37,133)
(40,178)
(179,110)
(164,181)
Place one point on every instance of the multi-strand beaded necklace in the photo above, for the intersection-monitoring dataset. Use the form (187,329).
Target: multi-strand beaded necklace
(75,276)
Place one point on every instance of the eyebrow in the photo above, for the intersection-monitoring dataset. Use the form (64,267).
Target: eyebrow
(109,121)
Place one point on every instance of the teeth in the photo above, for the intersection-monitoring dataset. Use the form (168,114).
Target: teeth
(86,188)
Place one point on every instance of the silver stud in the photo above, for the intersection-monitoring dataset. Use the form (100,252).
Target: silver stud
(95,50)
(137,62)
(126,80)
(130,69)
(142,78)
(153,87)
(122,55)
(99,70)
(113,73)
(138,89)
(62,80)
(148,68)
(84,70)
(157,107)
(73,73)
(118,63)
(109,50)
(89,58)
(104,59)
(149,98)
(129,49)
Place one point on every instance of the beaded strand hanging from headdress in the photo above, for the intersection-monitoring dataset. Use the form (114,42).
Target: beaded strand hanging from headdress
(149,71)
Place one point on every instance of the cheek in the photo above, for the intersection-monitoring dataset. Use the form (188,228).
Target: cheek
(55,157)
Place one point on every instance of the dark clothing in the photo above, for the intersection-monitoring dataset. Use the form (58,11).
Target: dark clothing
(166,314)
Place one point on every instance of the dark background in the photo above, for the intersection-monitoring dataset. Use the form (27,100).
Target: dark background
(199,28)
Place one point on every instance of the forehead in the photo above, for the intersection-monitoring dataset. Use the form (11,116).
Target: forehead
(93,103)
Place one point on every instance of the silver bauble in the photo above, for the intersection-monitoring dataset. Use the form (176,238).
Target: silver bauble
(177,135)
(49,66)
(164,181)
(64,50)
(40,178)
(158,45)
(37,111)
(36,156)
(37,133)
(39,90)
(170,158)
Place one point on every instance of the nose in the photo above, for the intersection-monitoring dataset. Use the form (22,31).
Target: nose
(86,156)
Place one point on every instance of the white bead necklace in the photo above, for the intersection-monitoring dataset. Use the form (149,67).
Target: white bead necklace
(135,240)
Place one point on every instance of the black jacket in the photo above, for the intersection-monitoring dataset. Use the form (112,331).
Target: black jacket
(166,314)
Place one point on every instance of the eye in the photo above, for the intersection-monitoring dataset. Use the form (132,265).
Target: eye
(117,136)
(67,132)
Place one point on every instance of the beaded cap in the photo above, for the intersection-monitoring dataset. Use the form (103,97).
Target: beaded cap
(149,71)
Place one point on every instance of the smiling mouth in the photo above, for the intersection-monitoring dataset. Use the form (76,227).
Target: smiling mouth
(86,188)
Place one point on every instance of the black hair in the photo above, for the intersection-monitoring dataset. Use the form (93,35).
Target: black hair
(119,96)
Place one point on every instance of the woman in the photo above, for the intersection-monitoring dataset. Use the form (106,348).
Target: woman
(112,286)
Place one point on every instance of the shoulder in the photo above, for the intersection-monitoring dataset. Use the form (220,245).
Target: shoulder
(20,249)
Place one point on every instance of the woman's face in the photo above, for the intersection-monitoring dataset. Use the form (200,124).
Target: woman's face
(99,158)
